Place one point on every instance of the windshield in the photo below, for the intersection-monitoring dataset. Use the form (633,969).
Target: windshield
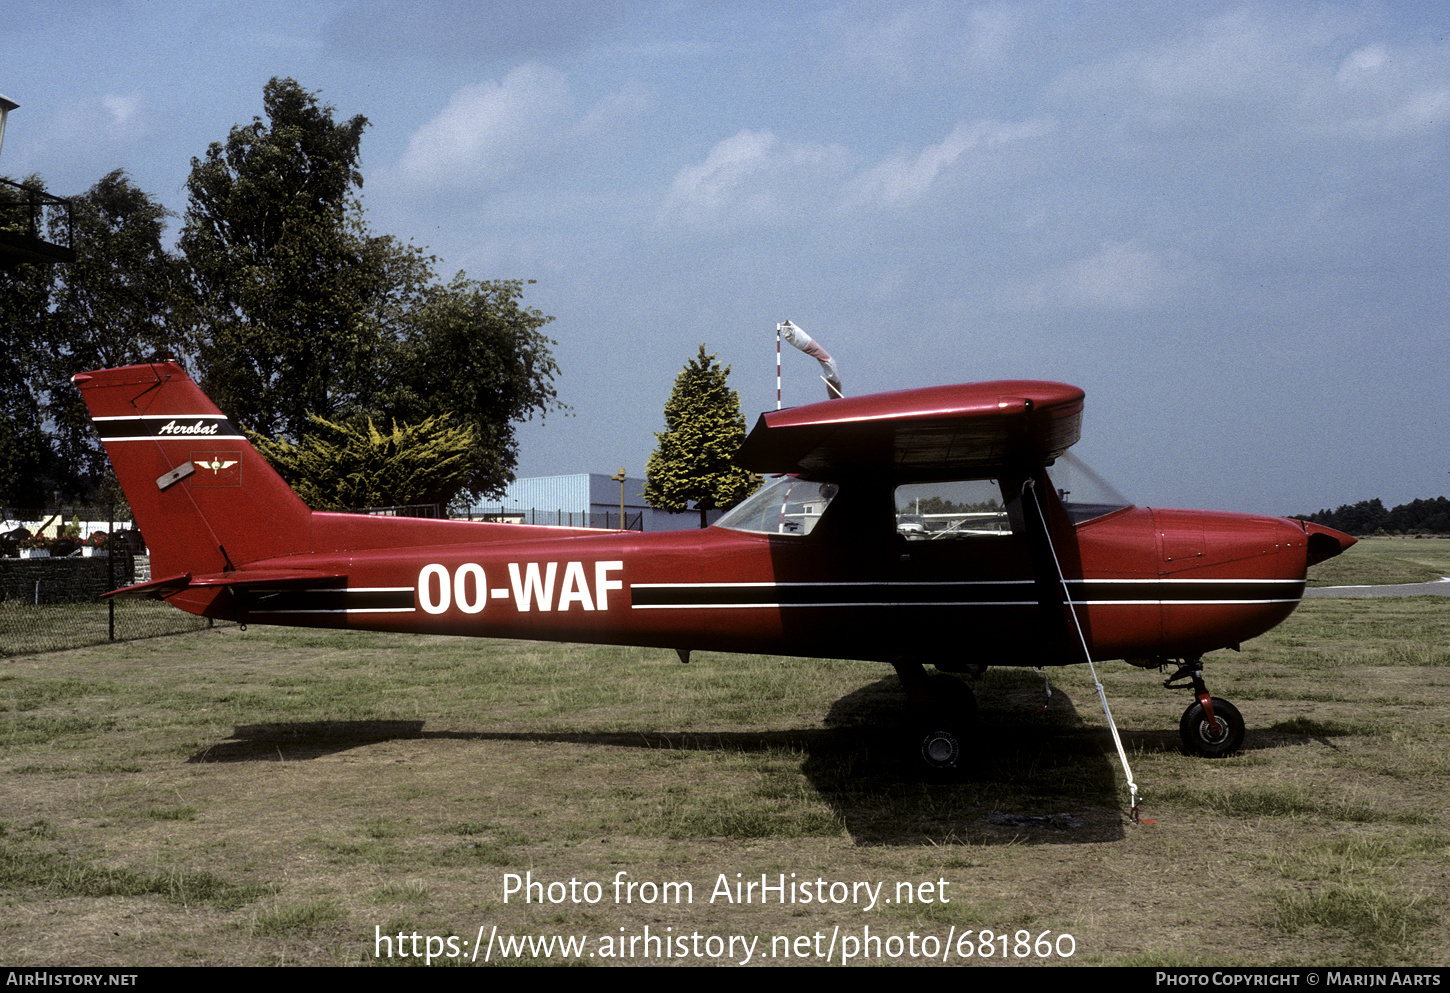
(1084,494)
(784,505)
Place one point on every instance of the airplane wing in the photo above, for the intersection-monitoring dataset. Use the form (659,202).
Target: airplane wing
(947,428)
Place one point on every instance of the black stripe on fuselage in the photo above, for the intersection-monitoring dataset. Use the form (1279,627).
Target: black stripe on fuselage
(824,594)
(328,601)
(1170,591)
(987,593)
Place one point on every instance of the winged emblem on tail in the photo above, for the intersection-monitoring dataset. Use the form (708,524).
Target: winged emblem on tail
(215,465)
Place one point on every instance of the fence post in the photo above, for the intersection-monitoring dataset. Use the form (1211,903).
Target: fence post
(110,573)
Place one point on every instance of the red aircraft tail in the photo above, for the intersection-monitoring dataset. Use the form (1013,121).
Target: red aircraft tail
(204,499)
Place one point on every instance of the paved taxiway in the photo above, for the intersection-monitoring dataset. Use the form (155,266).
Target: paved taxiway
(1440,587)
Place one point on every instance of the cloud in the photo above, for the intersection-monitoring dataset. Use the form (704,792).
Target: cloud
(124,109)
(1259,73)
(1361,63)
(488,127)
(752,178)
(904,179)
(616,111)
(1388,92)
(497,128)
(756,178)
(1119,276)
(83,133)
(113,117)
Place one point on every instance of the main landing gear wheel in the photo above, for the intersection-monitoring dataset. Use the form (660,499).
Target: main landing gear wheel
(1213,740)
(941,749)
(944,726)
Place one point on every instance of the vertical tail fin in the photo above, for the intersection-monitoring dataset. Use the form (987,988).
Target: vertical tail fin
(204,499)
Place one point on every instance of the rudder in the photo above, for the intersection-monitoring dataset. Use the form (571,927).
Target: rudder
(205,499)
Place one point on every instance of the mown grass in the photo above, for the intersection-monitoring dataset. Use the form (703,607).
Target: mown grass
(1287,801)
(291,791)
(1382,561)
(28,866)
(1381,924)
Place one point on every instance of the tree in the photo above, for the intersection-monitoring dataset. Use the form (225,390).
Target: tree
(301,312)
(116,304)
(470,349)
(703,430)
(26,456)
(288,288)
(347,466)
(113,305)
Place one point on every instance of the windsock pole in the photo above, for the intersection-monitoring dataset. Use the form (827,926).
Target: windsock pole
(777,367)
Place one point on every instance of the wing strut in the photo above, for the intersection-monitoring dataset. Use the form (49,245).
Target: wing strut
(1029,493)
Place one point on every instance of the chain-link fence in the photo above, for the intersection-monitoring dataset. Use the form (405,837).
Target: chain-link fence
(49,604)
(606,519)
(55,565)
(26,629)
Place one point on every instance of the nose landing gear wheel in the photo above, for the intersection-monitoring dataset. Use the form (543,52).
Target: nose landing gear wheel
(1213,740)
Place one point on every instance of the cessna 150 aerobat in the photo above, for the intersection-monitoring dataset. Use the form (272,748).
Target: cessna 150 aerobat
(944,525)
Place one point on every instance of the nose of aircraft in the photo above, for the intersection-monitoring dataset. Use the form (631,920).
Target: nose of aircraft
(1325,543)
(1191,541)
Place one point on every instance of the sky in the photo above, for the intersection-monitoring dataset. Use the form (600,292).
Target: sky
(1228,223)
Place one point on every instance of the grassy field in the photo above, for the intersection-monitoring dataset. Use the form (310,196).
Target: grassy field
(1381,561)
(273,796)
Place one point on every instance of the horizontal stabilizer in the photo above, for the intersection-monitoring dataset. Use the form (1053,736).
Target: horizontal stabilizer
(159,589)
(244,578)
(156,589)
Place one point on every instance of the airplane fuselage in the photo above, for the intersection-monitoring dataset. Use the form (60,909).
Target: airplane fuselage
(1144,583)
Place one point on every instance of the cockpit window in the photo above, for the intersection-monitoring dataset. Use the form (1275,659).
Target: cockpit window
(784,505)
(951,511)
(1084,494)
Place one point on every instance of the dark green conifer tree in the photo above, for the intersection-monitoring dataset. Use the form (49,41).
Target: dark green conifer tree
(704,428)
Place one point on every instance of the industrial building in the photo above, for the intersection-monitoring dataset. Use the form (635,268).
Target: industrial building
(584,499)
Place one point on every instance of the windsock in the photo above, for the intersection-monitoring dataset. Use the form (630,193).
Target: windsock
(813,348)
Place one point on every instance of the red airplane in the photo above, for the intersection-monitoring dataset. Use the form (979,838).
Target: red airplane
(944,525)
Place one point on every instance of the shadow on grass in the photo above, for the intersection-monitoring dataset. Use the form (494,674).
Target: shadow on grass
(1033,776)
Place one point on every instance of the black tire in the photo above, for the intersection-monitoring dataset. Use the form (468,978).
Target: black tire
(940,749)
(944,727)
(1224,738)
